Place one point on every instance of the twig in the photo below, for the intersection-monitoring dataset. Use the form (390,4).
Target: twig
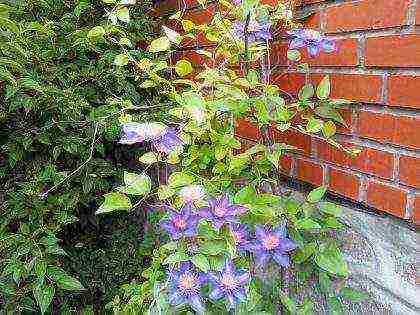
(92,147)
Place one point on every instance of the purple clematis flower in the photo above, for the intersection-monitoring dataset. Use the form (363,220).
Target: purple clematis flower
(255,31)
(237,2)
(313,40)
(181,224)
(241,236)
(220,211)
(167,142)
(164,139)
(185,286)
(230,284)
(272,244)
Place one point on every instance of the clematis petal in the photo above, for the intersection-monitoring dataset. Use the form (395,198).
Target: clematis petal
(287,245)
(224,201)
(260,232)
(205,213)
(213,202)
(262,259)
(297,43)
(216,294)
(280,231)
(329,46)
(244,278)
(231,301)
(313,50)
(176,298)
(228,267)
(282,259)
(240,295)
(197,304)
(237,209)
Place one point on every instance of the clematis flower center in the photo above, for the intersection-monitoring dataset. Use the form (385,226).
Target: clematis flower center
(187,281)
(180,223)
(238,237)
(219,211)
(229,281)
(271,242)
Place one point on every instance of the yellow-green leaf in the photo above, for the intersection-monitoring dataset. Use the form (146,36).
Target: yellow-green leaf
(160,44)
(183,67)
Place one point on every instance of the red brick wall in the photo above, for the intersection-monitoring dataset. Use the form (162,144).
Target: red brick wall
(378,65)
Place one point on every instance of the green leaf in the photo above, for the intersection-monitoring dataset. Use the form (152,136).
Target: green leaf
(304,253)
(246,195)
(136,184)
(331,259)
(329,129)
(183,67)
(324,88)
(114,202)
(43,296)
(201,262)
(306,92)
(288,303)
(97,31)
(176,258)
(329,113)
(316,194)
(314,125)
(63,280)
(160,44)
(123,14)
(165,192)
(148,158)
(307,224)
(293,55)
(353,295)
(8,24)
(331,208)
(238,162)
(336,307)
(121,60)
(179,179)
(213,247)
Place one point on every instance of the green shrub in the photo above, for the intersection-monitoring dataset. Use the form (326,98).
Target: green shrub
(59,119)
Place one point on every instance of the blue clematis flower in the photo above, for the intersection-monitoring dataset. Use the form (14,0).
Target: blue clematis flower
(229,284)
(181,224)
(313,40)
(272,243)
(220,211)
(164,139)
(185,287)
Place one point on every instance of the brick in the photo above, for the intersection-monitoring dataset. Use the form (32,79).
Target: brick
(344,183)
(246,129)
(418,15)
(309,172)
(345,57)
(365,15)
(363,88)
(403,91)
(370,161)
(416,211)
(286,164)
(314,21)
(410,171)
(393,51)
(387,198)
(376,126)
(294,138)
(406,132)
(386,128)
